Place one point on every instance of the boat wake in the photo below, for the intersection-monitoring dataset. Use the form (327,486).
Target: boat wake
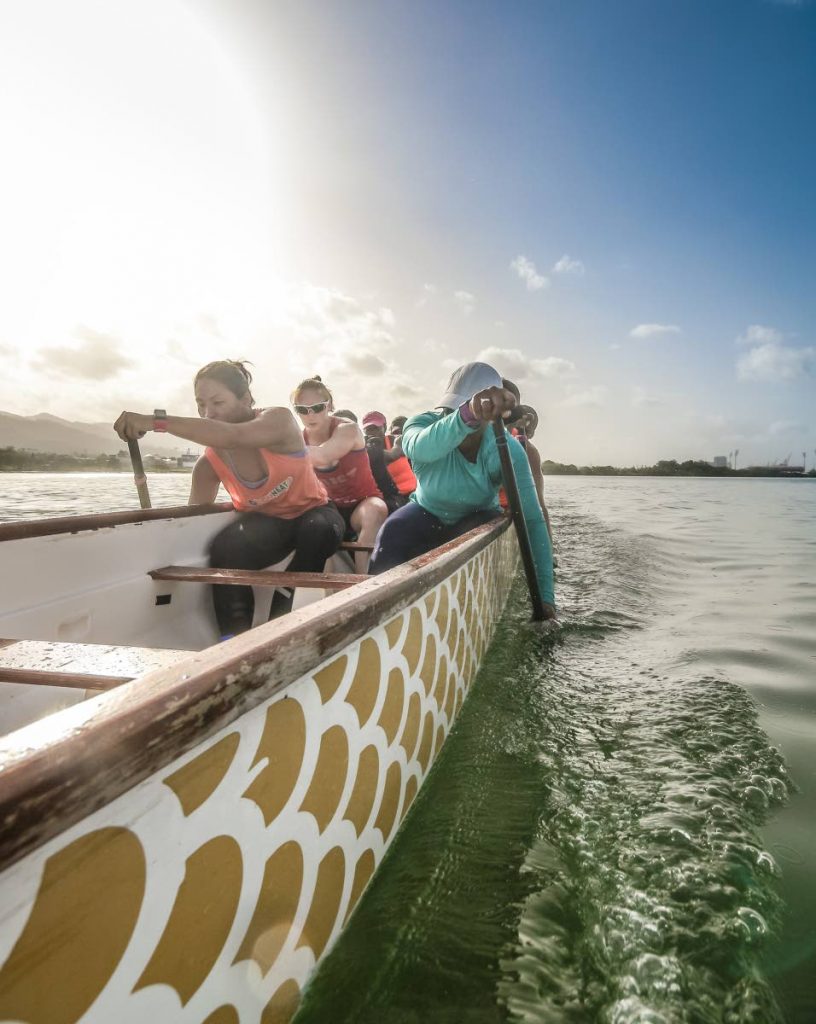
(586,848)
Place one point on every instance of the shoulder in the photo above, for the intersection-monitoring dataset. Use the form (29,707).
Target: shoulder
(277,414)
(422,419)
(350,431)
(204,469)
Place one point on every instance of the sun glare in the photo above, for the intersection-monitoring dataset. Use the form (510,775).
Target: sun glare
(141,192)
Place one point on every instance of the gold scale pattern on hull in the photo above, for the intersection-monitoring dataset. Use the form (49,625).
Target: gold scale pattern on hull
(207,893)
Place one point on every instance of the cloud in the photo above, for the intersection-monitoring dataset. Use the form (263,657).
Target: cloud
(465,301)
(786,427)
(526,270)
(653,330)
(641,398)
(593,397)
(566,265)
(513,363)
(365,363)
(329,320)
(407,391)
(756,334)
(428,292)
(776,362)
(95,358)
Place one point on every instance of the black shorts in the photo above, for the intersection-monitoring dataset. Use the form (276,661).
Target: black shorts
(345,512)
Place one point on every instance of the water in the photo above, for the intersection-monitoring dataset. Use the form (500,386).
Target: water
(622,826)
(32,495)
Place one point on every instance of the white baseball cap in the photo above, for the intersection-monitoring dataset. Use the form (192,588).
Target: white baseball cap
(466,381)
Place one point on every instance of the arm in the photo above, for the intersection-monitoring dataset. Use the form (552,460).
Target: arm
(536,528)
(534,458)
(274,428)
(205,483)
(429,436)
(394,452)
(345,437)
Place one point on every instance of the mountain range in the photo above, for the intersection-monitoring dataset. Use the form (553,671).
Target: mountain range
(46,433)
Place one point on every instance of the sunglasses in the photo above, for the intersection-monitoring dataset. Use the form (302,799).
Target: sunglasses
(304,410)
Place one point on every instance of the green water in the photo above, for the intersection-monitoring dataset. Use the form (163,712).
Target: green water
(593,842)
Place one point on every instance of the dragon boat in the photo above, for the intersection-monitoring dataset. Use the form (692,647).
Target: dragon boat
(186,826)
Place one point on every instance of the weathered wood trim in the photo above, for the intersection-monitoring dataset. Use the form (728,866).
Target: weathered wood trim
(258,577)
(77,680)
(98,521)
(97,750)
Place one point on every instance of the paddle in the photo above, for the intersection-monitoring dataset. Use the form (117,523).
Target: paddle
(139,474)
(514,504)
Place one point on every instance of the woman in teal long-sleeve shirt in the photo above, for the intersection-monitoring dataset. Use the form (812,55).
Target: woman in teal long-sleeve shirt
(456,463)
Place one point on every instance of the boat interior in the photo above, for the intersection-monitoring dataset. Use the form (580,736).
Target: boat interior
(91,602)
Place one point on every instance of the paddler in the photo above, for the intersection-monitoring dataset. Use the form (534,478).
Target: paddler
(260,458)
(458,470)
(338,452)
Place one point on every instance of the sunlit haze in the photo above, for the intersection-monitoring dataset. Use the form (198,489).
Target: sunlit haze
(611,202)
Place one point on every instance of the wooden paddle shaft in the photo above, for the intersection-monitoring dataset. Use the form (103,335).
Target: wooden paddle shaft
(514,504)
(139,474)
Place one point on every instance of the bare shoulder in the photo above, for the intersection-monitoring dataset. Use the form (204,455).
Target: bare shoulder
(203,469)
(204,483)
(277,414)
(283,427)
(351,432)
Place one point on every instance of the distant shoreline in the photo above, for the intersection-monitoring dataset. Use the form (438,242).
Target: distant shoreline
(601,471)
(13,460)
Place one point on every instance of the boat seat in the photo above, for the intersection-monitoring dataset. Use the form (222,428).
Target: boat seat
(352,545)
(258,577)
(84,666)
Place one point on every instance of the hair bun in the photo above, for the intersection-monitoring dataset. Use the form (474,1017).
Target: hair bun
(318,377)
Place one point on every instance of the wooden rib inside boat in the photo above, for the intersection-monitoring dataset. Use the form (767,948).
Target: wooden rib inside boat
(195,820)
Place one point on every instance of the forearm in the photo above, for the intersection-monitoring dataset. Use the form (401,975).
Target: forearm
(427,443)
(319,457)
(273,427)
(210,433)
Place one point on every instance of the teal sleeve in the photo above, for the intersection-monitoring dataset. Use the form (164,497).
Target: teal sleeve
(534,518)
(429,436)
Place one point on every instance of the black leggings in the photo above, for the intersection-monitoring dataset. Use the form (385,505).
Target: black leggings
(255,541)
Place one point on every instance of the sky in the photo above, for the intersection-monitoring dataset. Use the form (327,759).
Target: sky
(612,201)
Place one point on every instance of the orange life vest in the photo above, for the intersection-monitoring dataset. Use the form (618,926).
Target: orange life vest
(401,472)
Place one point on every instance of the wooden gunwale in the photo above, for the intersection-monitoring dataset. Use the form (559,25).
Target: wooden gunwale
(57,771)
(100,521)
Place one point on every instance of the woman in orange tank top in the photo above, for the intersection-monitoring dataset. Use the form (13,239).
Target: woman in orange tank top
(260,458)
